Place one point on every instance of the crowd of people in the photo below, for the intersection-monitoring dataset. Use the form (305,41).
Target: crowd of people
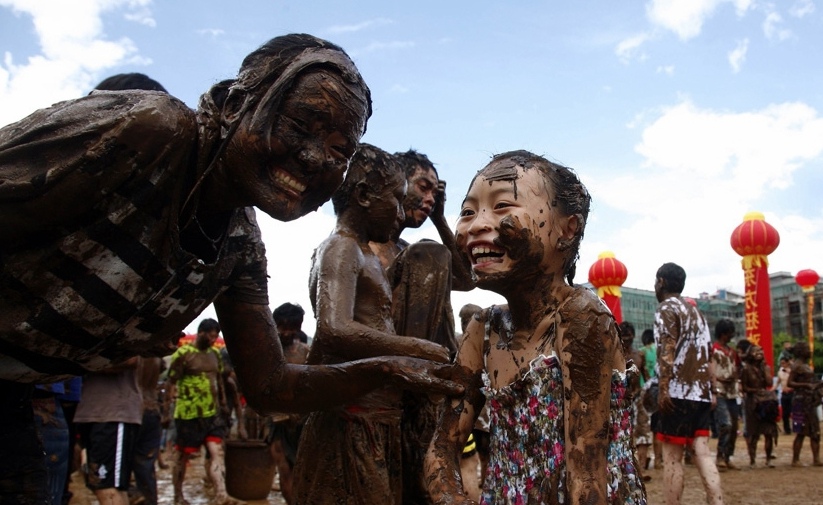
(125,214)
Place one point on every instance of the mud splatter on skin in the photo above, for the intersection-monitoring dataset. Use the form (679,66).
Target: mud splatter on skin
(447,442)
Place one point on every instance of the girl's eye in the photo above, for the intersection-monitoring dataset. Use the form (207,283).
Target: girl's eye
(502,205)
(466,212)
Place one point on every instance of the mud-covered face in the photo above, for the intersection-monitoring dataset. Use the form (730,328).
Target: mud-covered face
(386,208)
(289,159)
(206,339)
(420,197)
(507,228)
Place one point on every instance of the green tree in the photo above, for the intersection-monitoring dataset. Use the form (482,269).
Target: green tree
(777,345)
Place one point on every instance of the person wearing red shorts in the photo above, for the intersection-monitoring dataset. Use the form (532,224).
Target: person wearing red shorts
(196,372)
(687,385)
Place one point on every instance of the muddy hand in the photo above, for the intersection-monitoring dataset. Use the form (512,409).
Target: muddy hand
(432,351)
(424,376)
(439,200)
(664,403)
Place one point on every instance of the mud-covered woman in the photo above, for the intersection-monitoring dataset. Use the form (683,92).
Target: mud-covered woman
(760,402)
(124,214)
(553,371)
(805,422)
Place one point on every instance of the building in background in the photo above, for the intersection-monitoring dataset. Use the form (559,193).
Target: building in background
(788,308)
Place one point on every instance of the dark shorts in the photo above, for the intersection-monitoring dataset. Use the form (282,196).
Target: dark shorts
(192,433)
(689,420)
(109,453)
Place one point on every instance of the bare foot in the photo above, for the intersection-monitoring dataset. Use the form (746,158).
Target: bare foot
(817,463)
(797,464)
(227,500)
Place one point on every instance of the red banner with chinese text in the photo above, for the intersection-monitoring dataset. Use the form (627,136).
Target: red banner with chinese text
(759,308)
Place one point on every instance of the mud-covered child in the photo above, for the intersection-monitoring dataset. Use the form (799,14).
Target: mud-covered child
(552,370)
(352,454)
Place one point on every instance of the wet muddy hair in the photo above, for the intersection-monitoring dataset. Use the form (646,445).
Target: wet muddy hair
(411,160)
(647,337)
(288,313)
(369,164)
(674,277)
(723,327)
(135,80)
(272,68)
(570,197)
(625,329)
(801,349)
(208,325)
(467,312)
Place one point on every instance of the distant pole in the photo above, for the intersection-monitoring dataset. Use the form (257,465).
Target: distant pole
(607,274)
(755,239)
(808,279)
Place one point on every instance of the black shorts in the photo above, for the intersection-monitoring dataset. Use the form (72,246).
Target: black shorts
(192,433)
(689,420)
(109,453)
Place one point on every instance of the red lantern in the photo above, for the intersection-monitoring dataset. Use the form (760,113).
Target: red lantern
(607,274)
(754,239)
(808,279)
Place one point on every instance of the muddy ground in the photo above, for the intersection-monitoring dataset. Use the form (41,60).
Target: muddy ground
(762,486)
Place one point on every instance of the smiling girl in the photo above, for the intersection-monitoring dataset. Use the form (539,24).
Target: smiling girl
(553,371)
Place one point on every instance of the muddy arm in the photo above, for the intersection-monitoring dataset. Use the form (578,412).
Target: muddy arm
(271,385)
(336,292)
(442,463)
(461,267)
(589,351)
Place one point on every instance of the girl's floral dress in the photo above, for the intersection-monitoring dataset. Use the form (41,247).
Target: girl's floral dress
(527,463)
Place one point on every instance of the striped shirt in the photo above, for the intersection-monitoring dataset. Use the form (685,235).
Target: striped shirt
(94,268)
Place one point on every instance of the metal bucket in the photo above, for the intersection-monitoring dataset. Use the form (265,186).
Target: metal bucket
(249,469)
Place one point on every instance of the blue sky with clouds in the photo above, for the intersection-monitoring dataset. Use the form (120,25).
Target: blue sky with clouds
(680,115)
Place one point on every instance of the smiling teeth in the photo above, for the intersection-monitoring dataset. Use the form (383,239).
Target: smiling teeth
(288,181)
(479,251)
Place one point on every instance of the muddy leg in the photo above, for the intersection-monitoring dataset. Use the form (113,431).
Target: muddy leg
(672,473)
(768,443)
(752,446)
(178,475)
(283,468)
(815,443)
(796,446)
(708,471)
(642,459)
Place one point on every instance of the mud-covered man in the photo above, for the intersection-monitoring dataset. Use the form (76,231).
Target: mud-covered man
(125,214)
(196,371)
(422,276)
(686,394)
(352,454)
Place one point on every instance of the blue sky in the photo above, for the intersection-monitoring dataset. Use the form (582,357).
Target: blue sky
(679,115)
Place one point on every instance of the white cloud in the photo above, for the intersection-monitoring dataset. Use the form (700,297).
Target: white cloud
(399,88)
(360,26)
(686,17)
(801,8)
(738,55)
(666,69)
(702,171)
(214,32)
(74,52)
(628,48)
(771,28)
